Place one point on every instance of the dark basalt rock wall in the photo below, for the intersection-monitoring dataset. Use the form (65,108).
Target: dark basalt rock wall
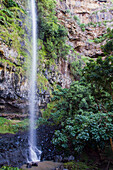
(14,148)
(13,82)
(13,90)
(14,85)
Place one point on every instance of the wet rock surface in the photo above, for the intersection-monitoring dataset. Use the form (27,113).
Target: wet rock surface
(14,148)
(44,137)
(44,142)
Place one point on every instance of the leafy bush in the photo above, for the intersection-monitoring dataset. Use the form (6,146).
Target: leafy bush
(83,130)
(100,74)
(9,168)
(81,119)
(75,100)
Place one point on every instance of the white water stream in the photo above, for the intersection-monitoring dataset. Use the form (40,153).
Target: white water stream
(33,151)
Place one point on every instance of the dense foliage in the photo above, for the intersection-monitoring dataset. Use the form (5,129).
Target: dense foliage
(51,32)
(100,74)
(12,28)
(80,120)
(84,112)
(10,3)
(108,47)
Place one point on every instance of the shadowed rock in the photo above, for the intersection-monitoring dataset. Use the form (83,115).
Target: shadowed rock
(30,164)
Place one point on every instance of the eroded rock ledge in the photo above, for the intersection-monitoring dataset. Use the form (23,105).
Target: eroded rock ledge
(13,83)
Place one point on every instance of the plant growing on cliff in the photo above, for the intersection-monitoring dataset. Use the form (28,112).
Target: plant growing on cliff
(10,3)
(108,47)
(13,29)
(82,26)
(10,126)
(76,18)
(100,72)
(50,31)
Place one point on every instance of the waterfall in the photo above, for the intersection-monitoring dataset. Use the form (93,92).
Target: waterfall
(34,153)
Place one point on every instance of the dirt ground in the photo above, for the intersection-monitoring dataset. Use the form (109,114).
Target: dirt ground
(46,165)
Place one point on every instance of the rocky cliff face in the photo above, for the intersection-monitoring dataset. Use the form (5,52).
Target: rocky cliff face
(13,83)
(85,21)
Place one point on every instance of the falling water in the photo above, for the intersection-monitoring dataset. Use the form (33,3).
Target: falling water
(34,153)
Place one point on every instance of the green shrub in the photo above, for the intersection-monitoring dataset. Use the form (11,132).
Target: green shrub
(81,118)
(9,168)
(83,29)
(99,74)
(76,18)
(10,126)
(82,26)
(83,130)
(77,166)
